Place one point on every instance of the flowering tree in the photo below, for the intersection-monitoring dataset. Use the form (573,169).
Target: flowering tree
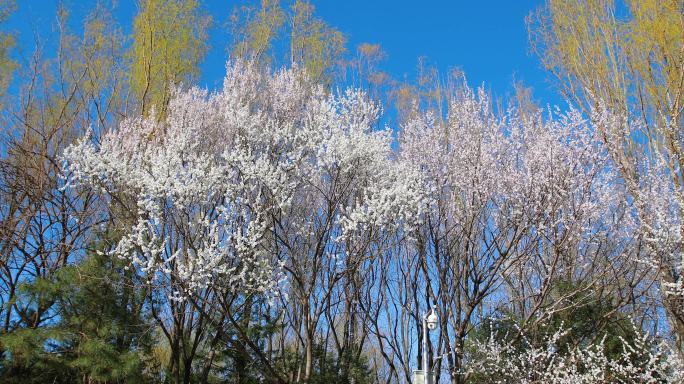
(230,190)
(515,209)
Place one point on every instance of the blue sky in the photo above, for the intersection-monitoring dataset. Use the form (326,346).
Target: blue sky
(486,39)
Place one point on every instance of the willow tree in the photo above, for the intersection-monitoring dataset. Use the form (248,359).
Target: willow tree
(169,42)
(255,30)
(313,44)
(623,64)
(7,65)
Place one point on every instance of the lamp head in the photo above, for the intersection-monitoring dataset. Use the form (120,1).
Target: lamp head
(432,320)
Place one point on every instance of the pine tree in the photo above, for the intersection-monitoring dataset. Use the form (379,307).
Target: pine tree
(98,331)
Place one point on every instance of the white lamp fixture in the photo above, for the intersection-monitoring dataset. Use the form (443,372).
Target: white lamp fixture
(432,320)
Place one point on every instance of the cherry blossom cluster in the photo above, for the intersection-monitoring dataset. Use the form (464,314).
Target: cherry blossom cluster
(199,190)
(545,177)
(547,361)
(654,182)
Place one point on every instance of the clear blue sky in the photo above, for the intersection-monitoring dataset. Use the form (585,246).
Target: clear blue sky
(486,39)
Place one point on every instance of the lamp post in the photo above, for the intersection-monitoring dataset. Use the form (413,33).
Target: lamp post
(425,375)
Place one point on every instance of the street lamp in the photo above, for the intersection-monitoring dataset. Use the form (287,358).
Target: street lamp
(425,375)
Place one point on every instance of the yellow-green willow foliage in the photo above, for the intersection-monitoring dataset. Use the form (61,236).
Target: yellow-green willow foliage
(7,65)
(169,42)
(313,44)
(628,55)
(254,36)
